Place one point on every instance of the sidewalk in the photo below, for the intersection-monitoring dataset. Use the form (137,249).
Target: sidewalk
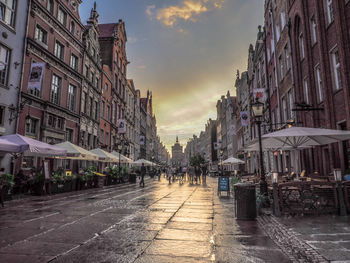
(327,235)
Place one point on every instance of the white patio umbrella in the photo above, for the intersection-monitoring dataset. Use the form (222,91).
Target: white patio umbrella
(123,159)
(297,138)
(233,160)
(105,156)
(142,161)
(74,152)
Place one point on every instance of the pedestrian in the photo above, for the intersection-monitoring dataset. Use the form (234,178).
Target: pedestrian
(143,173)
(204,173)
(197,173)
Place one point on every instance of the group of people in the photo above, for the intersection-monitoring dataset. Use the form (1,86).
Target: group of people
(194,174)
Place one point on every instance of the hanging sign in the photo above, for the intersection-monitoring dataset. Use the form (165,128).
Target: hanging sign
(232,130)
(121,126)
(36,76)
(259,94)
(244,118)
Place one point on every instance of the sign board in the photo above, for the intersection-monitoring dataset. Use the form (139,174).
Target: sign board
(244,118)
(68,173)
(224,184)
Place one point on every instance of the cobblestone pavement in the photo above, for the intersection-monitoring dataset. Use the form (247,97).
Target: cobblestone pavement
(125,223)
(328,235)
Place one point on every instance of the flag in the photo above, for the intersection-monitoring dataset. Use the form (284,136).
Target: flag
(244,118)
(36,76)
(259,94)
(121,126)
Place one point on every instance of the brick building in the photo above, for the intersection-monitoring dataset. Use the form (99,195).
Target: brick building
(54,39)
(320,48)
(113,53)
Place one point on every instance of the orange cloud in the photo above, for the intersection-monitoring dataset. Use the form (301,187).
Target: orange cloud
(187,10)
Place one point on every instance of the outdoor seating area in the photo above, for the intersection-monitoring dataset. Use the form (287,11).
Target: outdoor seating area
(47,175)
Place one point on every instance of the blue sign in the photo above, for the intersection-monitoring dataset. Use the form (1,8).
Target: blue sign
(223,184)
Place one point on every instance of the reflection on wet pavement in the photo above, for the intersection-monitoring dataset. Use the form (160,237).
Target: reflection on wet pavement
(159,223)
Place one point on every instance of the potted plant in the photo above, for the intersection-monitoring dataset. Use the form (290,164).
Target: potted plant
(89,174)
(74,182)
(6,184)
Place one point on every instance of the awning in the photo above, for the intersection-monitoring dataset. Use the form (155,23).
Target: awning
(104,156)
(142,161)
(74,152)
(123,159)
(31,147)
(9,147)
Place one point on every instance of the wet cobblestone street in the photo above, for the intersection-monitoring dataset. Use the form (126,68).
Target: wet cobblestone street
(125,223)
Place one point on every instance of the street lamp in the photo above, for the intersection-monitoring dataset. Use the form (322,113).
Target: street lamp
(221,157)
(258,111)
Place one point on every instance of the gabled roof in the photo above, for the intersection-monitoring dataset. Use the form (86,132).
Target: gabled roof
(107,30)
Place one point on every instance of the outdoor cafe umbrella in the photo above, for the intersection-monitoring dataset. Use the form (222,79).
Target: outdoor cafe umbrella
(123,159)
(142,161)
(233,160)
(9,147)
(74,152)
(297,138)
(105,156)
(31,147)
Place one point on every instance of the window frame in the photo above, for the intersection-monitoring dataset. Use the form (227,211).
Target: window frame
(57,86)
(7,63)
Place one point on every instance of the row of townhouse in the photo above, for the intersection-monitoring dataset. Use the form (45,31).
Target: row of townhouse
(61,80)
(218,141)
(301,63)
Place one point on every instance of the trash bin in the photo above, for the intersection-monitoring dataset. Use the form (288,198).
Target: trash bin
(245,201)
(132,178)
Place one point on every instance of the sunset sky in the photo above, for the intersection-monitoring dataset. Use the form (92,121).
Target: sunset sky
(186,51)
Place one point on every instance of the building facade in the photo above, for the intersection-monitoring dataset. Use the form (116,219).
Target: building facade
(177,155)
(54,49)
(12,43)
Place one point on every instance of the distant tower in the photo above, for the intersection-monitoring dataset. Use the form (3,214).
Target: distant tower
(177,154)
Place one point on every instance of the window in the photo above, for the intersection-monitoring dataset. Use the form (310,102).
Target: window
(106,87)
(313,30)
(336,69)
(103,106)
(96,112)
(116,58)
(107,138)
(329,11)
(318,83)
(291,104)
(71,97)
(4,65)
(72,27)
(59,50)
(108,113)
(62,16)
(306,92)
(2,115)
(93,79)
(278,32)
(74,62)
(102,136)
(8,12)
(301,46)
(87,72)
(280,62)
(50,6)
(287,57)
(40,35)
(69,135)
(93,52)
(91,107)
(55,89)
(283,20)
(83,102)
(284,110)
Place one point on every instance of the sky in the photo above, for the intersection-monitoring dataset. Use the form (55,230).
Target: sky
(187,52)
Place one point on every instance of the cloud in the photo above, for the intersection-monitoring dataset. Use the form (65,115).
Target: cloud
(188,10)
(149,10)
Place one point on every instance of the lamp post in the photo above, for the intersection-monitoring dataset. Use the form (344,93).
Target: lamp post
(120,148)
(258,111)
(221,157)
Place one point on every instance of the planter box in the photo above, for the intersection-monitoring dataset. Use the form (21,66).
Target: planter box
(132,178)
(38,188)
(68,186)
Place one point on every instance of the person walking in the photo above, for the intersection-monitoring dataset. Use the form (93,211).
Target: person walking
(204,173)
(143,173)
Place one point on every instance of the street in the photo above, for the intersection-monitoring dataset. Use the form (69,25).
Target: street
(126,223)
